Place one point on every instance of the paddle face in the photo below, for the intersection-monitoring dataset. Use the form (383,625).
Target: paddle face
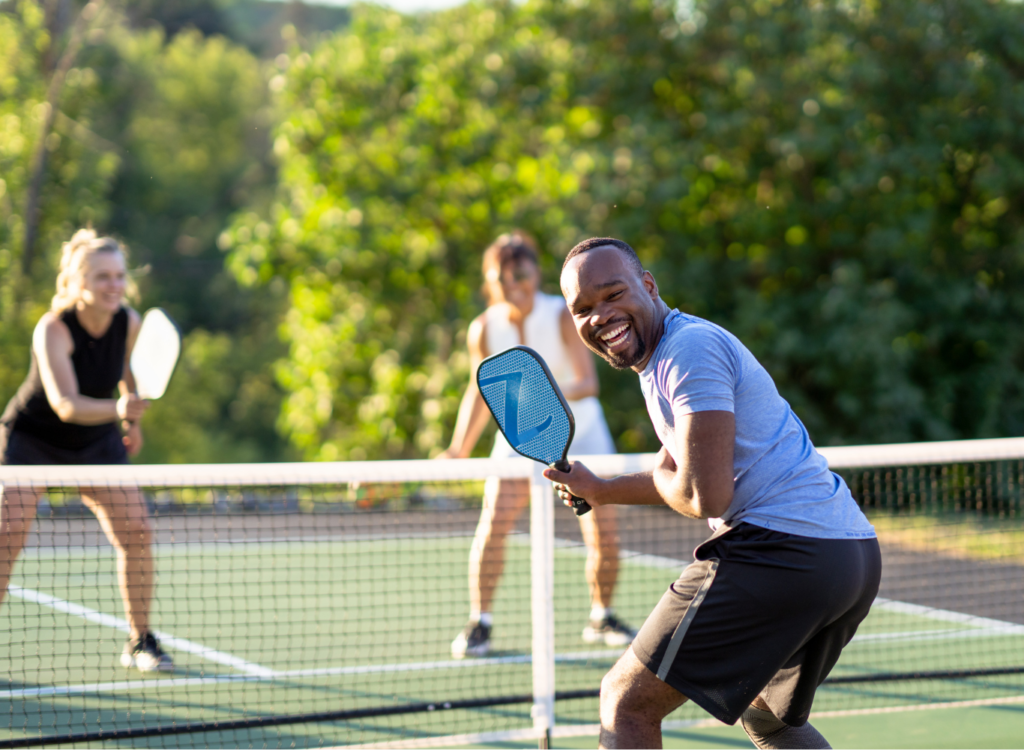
(155,353)
(531,412)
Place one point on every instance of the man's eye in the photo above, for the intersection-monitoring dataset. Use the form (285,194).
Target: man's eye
(583,312)
(615,295)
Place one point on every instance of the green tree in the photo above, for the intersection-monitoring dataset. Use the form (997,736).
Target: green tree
(78,176)
(157,142)
(837,183)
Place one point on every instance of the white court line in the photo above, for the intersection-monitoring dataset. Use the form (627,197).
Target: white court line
(271,675)
(945,615)
(509,735)
(571,656)
(918,707)
(977,627)
(592,730)
(941,634)
(992,626)
(166,639)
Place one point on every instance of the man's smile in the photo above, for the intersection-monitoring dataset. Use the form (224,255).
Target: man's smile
(616,336)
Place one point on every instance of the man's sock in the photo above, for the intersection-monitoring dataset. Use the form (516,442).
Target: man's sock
(768,733)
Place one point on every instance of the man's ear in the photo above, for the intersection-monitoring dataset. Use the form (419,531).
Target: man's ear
(650,285)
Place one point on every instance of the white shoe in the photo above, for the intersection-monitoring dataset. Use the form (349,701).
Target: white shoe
(474,640)
(145,655)
(609,630)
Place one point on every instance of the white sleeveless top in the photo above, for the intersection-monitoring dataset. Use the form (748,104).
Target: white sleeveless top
(543,332)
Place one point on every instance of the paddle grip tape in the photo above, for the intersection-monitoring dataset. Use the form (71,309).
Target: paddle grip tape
(579,505)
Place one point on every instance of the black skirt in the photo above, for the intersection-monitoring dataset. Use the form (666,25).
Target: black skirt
(20,449)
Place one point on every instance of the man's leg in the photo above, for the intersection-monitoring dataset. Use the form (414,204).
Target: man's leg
(769,733)
(503,505)
(633,703)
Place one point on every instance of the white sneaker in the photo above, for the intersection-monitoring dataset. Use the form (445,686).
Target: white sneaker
(145,655)
(609,630)
(474,640)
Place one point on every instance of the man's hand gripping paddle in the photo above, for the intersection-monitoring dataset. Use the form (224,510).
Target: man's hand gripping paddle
(531,412)
(155,353)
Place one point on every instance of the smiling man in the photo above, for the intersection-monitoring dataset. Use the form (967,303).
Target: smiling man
(757,621)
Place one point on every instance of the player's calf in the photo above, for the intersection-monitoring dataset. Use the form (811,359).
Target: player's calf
(768,732)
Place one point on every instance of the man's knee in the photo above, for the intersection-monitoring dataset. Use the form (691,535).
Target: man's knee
(630,691)
(612,694)
(618,693)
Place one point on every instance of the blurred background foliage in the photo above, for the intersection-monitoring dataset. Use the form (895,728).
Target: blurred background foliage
(838,183)
(161,135)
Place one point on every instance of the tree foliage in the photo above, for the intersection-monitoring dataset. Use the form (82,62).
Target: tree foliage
(73,194)
(158,141)
(838,183)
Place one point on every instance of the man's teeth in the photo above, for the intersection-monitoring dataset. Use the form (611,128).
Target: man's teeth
(615,333)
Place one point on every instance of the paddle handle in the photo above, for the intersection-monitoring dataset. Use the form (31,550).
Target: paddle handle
(579,505)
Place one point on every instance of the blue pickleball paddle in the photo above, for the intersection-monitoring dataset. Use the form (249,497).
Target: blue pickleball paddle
(531,412)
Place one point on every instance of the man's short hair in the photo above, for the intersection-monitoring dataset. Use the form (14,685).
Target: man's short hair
(624,248)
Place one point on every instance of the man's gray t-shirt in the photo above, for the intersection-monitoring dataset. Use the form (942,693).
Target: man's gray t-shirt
(782,482)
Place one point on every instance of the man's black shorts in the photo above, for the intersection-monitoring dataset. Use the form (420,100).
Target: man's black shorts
(760,612)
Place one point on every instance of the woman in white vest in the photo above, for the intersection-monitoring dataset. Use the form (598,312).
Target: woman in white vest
(518,313)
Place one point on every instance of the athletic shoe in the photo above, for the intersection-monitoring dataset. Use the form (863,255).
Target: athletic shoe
(145,654)
(474,640)
(609,630)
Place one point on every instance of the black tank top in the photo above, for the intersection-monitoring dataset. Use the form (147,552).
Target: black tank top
(98,366)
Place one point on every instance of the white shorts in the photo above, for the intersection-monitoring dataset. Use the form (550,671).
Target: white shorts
(591,438)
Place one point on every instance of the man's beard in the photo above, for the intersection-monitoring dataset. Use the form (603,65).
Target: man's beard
(625,361)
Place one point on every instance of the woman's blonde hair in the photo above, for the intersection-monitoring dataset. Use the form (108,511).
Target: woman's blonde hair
(74,257)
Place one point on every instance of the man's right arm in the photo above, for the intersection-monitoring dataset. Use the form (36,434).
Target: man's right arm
(625,489)
(701,486)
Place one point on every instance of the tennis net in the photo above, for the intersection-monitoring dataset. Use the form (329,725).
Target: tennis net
(314,604)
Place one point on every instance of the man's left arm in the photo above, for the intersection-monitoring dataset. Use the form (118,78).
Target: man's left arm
(701,484)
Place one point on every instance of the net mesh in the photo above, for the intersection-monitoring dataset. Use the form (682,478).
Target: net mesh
(275,601)
(317,613)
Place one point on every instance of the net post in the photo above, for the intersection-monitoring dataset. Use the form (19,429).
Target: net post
(542,566)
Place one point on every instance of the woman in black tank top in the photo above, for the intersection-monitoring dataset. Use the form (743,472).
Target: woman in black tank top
(67,412)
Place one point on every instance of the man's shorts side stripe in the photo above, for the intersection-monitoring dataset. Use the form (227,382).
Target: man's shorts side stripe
(677,638)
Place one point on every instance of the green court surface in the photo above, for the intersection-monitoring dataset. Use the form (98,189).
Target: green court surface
(1000,726)
(290,627)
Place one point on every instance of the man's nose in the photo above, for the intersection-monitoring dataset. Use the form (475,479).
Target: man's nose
(600,315)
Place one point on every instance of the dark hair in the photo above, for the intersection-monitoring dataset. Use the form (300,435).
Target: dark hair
(512,247)
(624,248)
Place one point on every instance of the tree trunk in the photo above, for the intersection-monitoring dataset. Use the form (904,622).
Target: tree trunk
(39,154)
